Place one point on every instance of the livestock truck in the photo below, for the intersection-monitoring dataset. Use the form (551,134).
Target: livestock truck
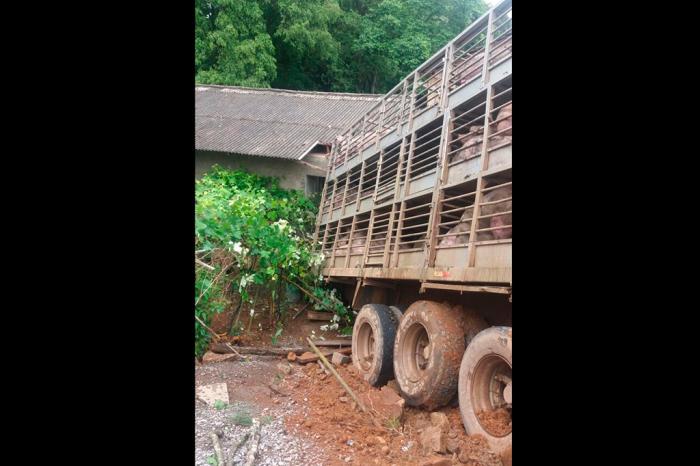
(415,224)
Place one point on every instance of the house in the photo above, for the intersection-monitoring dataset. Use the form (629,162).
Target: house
(273,132)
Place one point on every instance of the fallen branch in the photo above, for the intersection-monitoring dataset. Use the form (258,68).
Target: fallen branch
(204,264)
(213,281)
(255,438)
(201,322)
(221,348)
(217,338)
(217,449)
(304,290)
(300,311)
(236,448)
(337,376)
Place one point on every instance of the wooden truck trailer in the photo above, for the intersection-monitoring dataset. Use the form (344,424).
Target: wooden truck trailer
(415,224)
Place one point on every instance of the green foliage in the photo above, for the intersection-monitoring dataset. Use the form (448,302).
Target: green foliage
(255,234)
(219,405)
(211,300)
(242,418)
(278,332)
(212,461)
(339,45)
(265,420)
(232,45)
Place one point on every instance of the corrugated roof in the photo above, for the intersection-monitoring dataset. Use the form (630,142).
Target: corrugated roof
(272,122)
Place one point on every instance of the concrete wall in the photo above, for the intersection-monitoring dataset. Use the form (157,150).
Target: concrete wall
(292,173)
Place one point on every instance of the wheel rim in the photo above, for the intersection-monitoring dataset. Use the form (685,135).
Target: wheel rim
(492,390)
(416,352)
(365,347)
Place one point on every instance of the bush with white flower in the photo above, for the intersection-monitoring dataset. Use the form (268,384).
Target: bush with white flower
(253,233)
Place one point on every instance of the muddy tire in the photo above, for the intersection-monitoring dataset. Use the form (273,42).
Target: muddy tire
(373,338)
(485,384)
(397,311)
(429,346)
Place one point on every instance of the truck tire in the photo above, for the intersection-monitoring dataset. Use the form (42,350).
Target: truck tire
(397,311)
(485,384)
(429,345)
(373,343)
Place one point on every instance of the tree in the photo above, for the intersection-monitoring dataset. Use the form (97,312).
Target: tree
(338,45)
(232,45)
(307,52)
(398,35)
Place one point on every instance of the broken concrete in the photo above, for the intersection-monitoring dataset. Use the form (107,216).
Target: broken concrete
(212,393)
(452,442)
(433,440)
(386,402)
(439,419)
(452,445)
(340,359)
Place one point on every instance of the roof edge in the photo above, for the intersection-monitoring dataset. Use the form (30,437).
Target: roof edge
(291,92)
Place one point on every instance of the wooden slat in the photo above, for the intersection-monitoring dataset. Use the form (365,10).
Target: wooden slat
(313,358)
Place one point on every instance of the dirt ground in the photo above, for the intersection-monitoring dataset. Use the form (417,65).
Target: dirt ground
(307,417)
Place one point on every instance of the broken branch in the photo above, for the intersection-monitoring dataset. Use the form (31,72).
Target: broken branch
(216,337)
(300,311)
(217,449)
(337,376)
(255,438)
(204,264)
(220,348)
(236,448)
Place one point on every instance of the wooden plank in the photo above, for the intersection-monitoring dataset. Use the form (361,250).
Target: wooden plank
(315,315)
(221,348)
(344,342)
(311,357)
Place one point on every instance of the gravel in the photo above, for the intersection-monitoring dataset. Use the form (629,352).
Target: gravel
(277,447)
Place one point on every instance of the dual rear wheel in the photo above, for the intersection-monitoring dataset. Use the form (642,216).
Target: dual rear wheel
(435,350)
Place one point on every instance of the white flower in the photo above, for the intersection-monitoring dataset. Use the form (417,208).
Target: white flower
(252,312)
(335,318)
(281,223)
(334,327)
(324,327)
(237,248)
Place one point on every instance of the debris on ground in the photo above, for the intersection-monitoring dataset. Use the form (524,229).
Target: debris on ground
(211,357)
(386,403)
(498,422)
(340,359)
(211,394)
(474,451)
(433,440)
(285,368)
(307,417)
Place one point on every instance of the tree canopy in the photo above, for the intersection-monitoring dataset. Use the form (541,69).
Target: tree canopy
(324,45)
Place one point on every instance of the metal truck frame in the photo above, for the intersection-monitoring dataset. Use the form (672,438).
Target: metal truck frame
(432,155)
